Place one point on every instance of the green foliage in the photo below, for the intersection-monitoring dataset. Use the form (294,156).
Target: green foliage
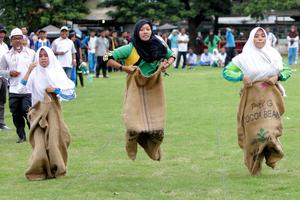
(195,11)
(257,8)
(39,13)
(132,10)
(168,10)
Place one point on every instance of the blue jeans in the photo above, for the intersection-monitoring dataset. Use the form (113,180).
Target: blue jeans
(73,75)
(204,63)
(92,61)
(292,55)
(68,71)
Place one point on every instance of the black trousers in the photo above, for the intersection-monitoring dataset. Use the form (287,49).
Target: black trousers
(79,74)
(101,65)
(230,53)
(19,105)
(3,90)
(181,53)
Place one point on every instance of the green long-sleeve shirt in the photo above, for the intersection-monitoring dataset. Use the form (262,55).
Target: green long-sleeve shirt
(213,45)
(146,68)
(232,73)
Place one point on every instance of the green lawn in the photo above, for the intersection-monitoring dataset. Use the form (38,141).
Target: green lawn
(201,157)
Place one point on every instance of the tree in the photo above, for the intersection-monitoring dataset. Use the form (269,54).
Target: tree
(38,13)
(132,10)
(258,8)
(195,11)
(201,9)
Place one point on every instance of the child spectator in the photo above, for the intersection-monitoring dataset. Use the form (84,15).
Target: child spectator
(205,59)
(191,58)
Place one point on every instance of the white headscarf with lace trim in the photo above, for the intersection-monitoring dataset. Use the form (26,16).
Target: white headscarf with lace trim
(258,64)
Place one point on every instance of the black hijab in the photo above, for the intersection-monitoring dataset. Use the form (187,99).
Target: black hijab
(150,50)
(211,38)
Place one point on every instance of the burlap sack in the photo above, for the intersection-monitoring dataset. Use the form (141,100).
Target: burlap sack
(49,137)
(144,113)
(259,125)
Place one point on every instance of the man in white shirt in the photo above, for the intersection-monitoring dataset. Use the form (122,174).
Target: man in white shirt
(64,50)
(91,45)
(3,81)
(182,40)
(271,38)
(14,65)
(205,59)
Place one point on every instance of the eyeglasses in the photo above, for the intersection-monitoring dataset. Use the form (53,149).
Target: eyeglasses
(17,38)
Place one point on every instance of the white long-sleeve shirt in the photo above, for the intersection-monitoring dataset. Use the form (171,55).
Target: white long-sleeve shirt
(18,61)
(271,39)
(182,41)
(206,57)
(294,44)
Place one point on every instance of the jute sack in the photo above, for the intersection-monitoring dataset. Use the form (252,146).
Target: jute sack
(260,125)
(49,138)
(144,113)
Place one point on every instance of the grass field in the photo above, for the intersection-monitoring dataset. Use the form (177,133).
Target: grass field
(201,158)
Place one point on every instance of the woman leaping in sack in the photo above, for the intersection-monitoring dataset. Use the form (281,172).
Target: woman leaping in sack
(144,59)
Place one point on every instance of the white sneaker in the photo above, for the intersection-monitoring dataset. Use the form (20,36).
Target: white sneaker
(4,128)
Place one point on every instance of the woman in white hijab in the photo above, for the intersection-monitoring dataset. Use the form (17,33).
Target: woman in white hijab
(46,74)
(258,61)
(49,135)
(261,106)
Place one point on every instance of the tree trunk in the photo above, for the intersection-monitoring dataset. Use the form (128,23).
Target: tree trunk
(216,25)
(193,24)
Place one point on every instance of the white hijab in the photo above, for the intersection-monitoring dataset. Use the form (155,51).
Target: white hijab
(215,55)
(52,75)
(258,64)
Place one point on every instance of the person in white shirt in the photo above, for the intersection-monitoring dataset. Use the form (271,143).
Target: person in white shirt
(64,50)
(182,40)
(205,59)
(14,65)
(3,81)
(191,58)
(223,56)
(271,38)
(91,46)
(217,60)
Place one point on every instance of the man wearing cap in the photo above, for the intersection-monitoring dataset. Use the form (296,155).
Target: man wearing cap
(3,81)
(65,51)
(14,65)
(42,41)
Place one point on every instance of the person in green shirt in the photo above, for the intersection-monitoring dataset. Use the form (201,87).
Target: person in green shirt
(212,41)
(144,59)
(259,118)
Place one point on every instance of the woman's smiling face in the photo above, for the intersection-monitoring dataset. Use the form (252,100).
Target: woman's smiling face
(145,32)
